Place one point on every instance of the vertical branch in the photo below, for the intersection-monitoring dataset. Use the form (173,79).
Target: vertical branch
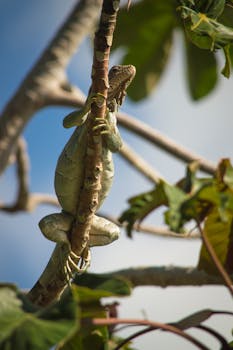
(53,281)
(22,167)
(88,199)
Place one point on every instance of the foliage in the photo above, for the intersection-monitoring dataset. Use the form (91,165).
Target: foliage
(21,322)
(193,199)
(67,324)
(206,26)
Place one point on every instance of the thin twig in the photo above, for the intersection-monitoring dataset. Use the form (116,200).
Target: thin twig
(154,230)
(216,260)
(217,335)
(25,201)
(134,336)
(155,325)
(22,168)
(36,199)
(177,324)
(164,142)
(139,163)
(150,134)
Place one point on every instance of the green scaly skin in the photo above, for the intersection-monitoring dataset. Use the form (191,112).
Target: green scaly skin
(70,171)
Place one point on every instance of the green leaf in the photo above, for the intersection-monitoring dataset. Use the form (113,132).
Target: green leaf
(94,339)
(41,330)
(227,16)
(202,77)
(114,341)
(207,33)
(141,205)
(213,8)
(89,336)
(91,307)
(117,286)
(220,236)
(87,295)
(175,197)
(202,197)
(149,26)
(194,319)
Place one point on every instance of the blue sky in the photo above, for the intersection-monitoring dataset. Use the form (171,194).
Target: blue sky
(206,127)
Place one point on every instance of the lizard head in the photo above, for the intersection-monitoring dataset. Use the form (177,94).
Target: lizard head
(120,77)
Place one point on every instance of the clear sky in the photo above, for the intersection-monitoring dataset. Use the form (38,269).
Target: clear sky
(206,127)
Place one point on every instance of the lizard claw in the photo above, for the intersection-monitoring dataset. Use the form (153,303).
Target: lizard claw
(76,263)
(102,125)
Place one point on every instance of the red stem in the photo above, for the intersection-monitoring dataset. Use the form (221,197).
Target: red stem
(155,325)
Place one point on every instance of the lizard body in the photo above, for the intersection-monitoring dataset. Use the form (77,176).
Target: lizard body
(70,168)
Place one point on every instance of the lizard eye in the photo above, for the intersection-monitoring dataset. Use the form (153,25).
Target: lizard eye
(114,69)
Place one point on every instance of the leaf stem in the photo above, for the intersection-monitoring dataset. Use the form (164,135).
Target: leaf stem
(216,260)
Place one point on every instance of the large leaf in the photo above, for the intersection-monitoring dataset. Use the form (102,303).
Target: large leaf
(175,198)
(207,33)
(24,330)
(90,289)
(220,235)
(141,205)
(149,26)
(191,198)
(202,77)
(117,286)
(226,17)
(213,8)
(92,339)
(91,307)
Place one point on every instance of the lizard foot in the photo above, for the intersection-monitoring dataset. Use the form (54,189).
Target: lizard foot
(76,263)
(103,126)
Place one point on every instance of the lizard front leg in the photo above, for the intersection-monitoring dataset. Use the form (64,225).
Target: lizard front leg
(108,129)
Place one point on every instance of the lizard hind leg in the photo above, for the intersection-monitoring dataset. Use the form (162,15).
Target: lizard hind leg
(103,232)
(56,226)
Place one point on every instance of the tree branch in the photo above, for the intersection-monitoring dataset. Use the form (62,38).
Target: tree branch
(91,183)
(139,163)
(167,276)
(22,167)
(25,201)
(53,280)
(152,135)
(46,76)
(154,230)
(164,142)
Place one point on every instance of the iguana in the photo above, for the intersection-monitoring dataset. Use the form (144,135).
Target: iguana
(70,171)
